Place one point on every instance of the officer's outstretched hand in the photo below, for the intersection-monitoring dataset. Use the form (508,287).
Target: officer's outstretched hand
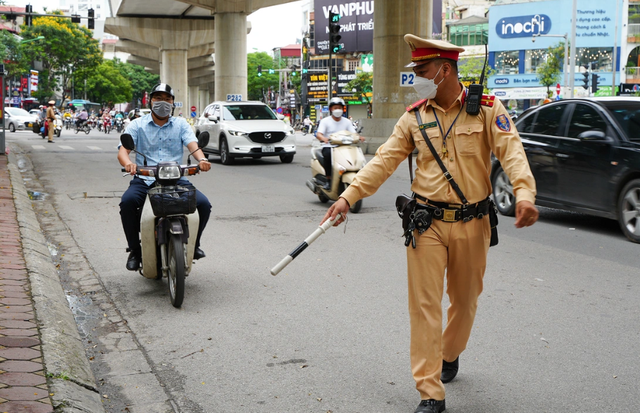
(526,214)
(341,206)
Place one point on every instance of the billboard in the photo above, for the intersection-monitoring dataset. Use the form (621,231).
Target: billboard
(356,25)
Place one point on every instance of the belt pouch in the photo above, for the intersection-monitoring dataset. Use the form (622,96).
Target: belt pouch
(493,220)
(405,206)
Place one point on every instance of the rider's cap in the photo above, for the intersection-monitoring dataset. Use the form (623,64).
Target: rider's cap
(423,50)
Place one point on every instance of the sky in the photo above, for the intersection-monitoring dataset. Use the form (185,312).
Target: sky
(272,27)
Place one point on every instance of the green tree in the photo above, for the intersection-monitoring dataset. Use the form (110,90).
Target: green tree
(362,87)
(67,48)
(141,80)
(12,54)
(549,72)
(470,70)
(107,85)
(258,85)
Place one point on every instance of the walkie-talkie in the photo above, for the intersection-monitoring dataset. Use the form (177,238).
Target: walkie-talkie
(475,90)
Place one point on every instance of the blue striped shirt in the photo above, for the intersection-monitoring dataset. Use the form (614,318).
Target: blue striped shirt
(160,143)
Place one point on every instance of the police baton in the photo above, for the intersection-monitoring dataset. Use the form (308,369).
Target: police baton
(314,235)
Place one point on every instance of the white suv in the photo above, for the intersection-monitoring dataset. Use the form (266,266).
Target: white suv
(245,130)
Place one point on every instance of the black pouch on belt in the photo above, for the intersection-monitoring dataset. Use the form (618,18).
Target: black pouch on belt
(493,220)
(405,206)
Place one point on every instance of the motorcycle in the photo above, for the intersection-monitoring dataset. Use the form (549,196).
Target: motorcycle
(84,127)
(347,160)
(67,122)
(119,125)
(168,213)
(57,124)
(107,125)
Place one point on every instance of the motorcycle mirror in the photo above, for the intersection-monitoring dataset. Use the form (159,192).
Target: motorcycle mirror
(127,141)
(203,139)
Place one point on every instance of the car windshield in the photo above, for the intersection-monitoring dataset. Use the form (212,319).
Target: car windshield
(17,112)
(628,116)
(247,112)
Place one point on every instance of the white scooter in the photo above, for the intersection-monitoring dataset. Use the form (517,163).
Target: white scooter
(347,159)
(168,214)
(57,124)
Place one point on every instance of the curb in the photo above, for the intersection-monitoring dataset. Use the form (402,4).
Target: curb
(69,374)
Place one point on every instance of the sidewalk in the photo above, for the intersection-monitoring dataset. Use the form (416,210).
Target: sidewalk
(23,385)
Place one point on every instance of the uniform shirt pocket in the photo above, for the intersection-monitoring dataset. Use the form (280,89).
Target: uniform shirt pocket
(469,138)
(423,148)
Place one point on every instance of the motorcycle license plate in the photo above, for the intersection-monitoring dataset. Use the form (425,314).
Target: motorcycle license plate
(268,148)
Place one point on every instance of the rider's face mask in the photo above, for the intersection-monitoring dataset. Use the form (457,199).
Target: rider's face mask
(337,113)
(161,108)
(426,88)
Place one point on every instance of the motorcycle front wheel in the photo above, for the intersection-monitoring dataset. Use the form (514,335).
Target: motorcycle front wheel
(176,260)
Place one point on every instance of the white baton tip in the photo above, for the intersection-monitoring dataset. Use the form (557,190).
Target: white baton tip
(285,261)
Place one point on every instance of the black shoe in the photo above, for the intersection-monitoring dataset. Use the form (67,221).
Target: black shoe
(327,185)
(431,406)
(134,260)
(449,370)
(198,253)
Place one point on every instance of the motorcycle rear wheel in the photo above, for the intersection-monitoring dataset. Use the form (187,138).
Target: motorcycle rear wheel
(176,260)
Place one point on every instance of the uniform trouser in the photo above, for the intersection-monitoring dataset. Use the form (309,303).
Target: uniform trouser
(461,249)
(52,128)
(131,206)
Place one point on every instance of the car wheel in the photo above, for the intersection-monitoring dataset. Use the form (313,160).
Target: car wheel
(503,193)
(629,210)
(225,158)
(286,158)
(12,127)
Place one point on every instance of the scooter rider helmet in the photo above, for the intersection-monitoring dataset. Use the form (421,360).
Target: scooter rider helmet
(336,101)
(162,88)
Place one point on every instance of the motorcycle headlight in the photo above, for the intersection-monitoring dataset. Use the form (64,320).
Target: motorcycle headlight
(169,172)
(237,133)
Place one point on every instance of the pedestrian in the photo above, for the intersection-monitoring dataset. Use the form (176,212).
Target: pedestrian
(51,117)
(454,234)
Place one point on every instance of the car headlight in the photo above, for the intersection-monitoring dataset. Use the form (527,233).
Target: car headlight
(237,133)
(169,172)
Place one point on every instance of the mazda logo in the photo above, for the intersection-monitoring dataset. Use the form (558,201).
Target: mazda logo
(267,136)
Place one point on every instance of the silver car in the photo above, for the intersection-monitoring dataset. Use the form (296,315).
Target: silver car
(17,119)
(245,130)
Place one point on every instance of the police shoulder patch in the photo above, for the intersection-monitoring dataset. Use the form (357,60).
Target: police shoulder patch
(487,100)
(503,123)
(415,105)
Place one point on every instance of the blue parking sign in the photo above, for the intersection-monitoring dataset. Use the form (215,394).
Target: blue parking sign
(193,114)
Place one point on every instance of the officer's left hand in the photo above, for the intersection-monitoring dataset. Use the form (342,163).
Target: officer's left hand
(526,214)
(204,165)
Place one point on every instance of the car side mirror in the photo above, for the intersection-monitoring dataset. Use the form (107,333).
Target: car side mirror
(212,118)
(203,139)
(280,116)
(127,141)
(594,136)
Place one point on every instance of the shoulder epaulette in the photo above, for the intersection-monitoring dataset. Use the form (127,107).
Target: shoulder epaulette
(415,105)
(487,100)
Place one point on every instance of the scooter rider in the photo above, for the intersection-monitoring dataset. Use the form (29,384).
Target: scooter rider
(332,124)
(160,137)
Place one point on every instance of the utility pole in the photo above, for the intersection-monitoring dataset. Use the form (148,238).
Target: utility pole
(572,63)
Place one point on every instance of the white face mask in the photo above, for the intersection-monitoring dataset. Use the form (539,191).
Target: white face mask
(426,88)
(336,113)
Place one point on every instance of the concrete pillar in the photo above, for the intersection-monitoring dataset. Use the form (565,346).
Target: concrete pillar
(193,100)
(203,99)
(231,55)
(393,20)
(174,72)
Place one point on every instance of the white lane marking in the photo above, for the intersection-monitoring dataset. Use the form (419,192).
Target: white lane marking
(95,148)
(69,148)
(37,146)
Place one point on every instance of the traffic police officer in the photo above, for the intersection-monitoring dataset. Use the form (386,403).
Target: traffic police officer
(464,142)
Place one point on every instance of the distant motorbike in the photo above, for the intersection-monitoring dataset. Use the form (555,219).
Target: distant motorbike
(169,221)
(57,124)
(107,125)
(347,160)
(119,125)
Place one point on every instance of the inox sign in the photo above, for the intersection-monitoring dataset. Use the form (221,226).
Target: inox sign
(523,26)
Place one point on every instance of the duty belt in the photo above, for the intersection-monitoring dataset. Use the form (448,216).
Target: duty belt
(454,212)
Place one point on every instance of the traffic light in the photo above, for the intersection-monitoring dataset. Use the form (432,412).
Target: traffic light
(271,71)
(305,71)
(91,24)
(293,71)
(586,76)
(594,83)
(334,32)
(75,18)
(27,18)
(259,70)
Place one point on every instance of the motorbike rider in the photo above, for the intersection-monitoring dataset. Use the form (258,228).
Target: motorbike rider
(82,118)
(306,128)
(160,137)
(332,124)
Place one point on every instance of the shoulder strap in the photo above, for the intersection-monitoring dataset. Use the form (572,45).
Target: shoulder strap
(446,173)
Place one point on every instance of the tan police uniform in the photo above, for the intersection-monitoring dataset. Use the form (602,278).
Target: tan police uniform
(459,247)
(51,117)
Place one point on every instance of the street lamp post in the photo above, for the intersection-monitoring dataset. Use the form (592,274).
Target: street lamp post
(566,57)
